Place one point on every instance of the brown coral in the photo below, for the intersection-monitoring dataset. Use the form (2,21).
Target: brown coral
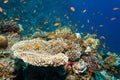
(9,27)
(3,42)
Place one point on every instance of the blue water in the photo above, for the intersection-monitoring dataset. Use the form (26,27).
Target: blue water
(33,13)
(98,12)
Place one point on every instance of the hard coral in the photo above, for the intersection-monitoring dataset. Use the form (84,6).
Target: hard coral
(79,67)
(46,55)
(3,42)
(5,72)
(74,51)
(112,59)
(93,63)
(63,32)
(39,34)
(91,41)
(9,27)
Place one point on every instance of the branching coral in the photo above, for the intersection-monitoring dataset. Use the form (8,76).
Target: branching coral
(10,27)
(41,53)
(7,67)
(112,59)
(112,68)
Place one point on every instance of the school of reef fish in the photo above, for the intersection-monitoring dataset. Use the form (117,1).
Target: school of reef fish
(57,55)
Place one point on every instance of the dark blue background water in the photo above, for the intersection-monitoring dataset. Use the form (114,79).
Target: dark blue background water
(103,12)
(33,13)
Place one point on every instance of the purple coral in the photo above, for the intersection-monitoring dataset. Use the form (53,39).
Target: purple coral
(93,63)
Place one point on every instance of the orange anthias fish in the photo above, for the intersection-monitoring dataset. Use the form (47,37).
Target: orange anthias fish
(5,1)
(17,19)
(72,9)
(1,9)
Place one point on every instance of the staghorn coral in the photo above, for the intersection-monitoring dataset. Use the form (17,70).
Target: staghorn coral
(41,53)
(79,67)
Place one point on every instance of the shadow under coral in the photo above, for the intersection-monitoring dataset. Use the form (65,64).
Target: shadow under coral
(31,72)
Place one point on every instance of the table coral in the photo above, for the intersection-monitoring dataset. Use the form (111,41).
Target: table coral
(48,54)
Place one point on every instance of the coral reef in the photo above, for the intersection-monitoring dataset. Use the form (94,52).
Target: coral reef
(57,55)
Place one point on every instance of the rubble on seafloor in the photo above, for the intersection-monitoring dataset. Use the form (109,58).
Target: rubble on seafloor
(57,55)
